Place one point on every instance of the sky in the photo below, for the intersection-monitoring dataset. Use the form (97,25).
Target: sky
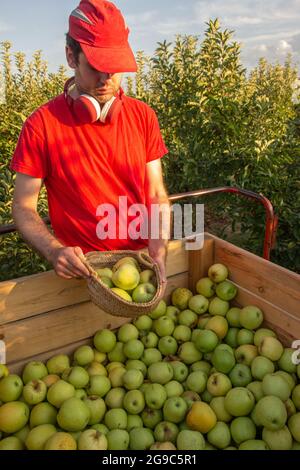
(269,28)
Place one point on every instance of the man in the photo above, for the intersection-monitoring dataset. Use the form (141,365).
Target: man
(90,146)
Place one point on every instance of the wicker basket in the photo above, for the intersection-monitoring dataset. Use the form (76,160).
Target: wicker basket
(105,298)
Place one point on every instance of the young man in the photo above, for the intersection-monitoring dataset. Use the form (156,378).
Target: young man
(90,146)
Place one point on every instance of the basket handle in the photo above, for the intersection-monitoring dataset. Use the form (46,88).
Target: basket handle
(145,259)
(88,266)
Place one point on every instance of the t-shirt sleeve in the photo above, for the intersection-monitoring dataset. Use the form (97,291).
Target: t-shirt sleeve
(155,146)
(29,156)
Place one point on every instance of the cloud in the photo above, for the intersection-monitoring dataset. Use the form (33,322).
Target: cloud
(5,27)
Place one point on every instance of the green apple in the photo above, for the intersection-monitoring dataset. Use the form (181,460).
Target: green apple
(159,311)
(151,356)
(42,413)
(77,376)
(117,353)
(231,337)
(13,416)
(161,373)
(239,401)
(253,444)
(273,384)
(50,379)
(116,418)
(90,439)
(94,368)
(100,428)
(117,439)
(246,353)
(245,337)
(174,409)
(140,439)
(201,365)
(203,320)
(148,276)
(251,317)
(122,293)
(107,281)
(99,385)
(206,341)
(61,441)
(182,333)
(126,277)
(126,260)
(293,424)
(168,346)
(190,398)
(190,440)
(261,333)
(174,389)
(218,272)
(162,446)
(218,384)
(165,431)
(57,364)
(288,377)
(196,381)
(150,340)
(73,415)
(116,377)
(218,307)
(296,396)
(198,304)
(97,408)
(144,293)
(271,413)
(133,379)
(34,392)
(163,326)
(38,436)
(242,429)
(278,440)
(59,392)
(206,287)
(188,318)
(104,272)
(217,404)
(80,393)
(219,325)
(11,388)
(233,317)
(256,388)
(240,375)
(114,398)
(134,421)
(133,349)
(134,402)
(181,297)
(219,436)
(155,396)
(261,366)
(290,408)
(105,341)
(137,364)
(84,355)
(180,371)
(11,443)
(285,362)
(113,365)
(188,353)
(127,332)
(206,396)
(223,361)
(143,323)
(271,348)
(151,417)
(34,370)
(226,290)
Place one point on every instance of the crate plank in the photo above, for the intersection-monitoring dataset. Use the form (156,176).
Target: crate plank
(199,262)
(28,296)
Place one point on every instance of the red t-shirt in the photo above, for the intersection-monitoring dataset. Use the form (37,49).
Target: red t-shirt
(84,166)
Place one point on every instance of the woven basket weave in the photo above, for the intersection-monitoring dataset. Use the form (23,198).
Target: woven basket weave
(105,298)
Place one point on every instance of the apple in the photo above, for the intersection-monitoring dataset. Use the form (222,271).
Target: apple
(188,353)
(201,417)
(94,368)
(180,371)
(181,297)
(151,356)
(113,365)
(256,388)
(150,340)
(280,439)
(182,333)
(271,413)
(201,365)
(167,345)
(296,396)
(226,290)
(11,388)
(38,436)
(116,419)
(206,396)
(190,440)
(105,341)
(61,441)
(218,384)
(4,372)
(219,436)
(155,396)
(163,446)
(80,393)
(90,439)
(126,276)
(59,392)
(271,348)
(245,337)
(217,404)
(172,312)
(97,408)
(117,353)
(133,349)
(117,439)
(148,276)
(203,320)
(261,333)
(34,370)
(246,353)
(206,287)
(107,281)
(218,307)
(198,304)
(165,431)
(151,417)
(42,413)
(143,323)
(77,376)
(116,377)
(253,444)
(134,402)
(127,332)
(144,293)
(225,347)
(174,409)
(290,408)
(159,311)
(219,325)
(233,317)
(84,355)
(74,415)
(174,389)
(163,326)
(104,272)
(126,260)
(137,364)
(240,375)
(196,381)
(160,373)
(34,392)
(223,361)
(100,428)
(273,384)
(218,272)
(99,385)
(242,429)
(188,318)
(133,379)
(261,366)
(294,426)
(57,364)
(206,341)
(251,317)
(122,293)
(134,421)
(114,398)
(239,401)
(190,398)
(50,379)
(11,443)
(140,439)
(13,416)
(285,362)
(231,337)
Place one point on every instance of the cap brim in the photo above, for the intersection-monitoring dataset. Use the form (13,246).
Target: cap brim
(110,60)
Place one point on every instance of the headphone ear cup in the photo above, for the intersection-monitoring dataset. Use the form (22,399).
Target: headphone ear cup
(87,109)
(114,111)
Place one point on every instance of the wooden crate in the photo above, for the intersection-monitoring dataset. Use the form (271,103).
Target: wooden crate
(43,315)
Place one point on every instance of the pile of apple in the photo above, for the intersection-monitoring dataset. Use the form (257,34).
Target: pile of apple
(127,280)
(199,374)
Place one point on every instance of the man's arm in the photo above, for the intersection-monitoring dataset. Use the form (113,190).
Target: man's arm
(65,260)
(156,194)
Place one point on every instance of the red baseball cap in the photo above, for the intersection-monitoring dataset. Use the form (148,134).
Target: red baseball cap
(101,30)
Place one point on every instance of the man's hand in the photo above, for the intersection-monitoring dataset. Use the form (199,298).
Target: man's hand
(67,264)
(158,252)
